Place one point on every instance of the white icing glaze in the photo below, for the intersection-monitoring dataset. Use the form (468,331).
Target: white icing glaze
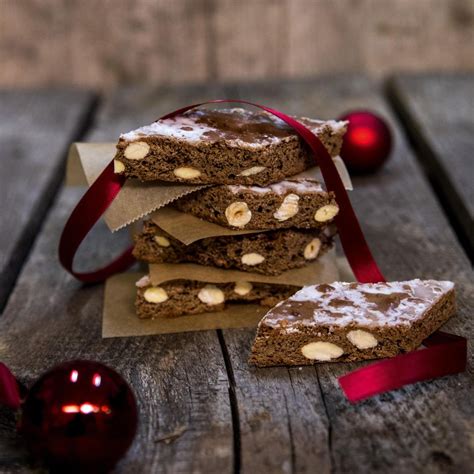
(300,186)
(193,131)
(337,126)
(170,128)
(421,295)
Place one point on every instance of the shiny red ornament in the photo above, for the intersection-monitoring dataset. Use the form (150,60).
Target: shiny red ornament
(80,416)
(367,143)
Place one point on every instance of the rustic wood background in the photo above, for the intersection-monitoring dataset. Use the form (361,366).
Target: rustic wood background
(104,43)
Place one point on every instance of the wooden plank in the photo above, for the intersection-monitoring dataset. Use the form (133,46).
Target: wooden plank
(35,130)
(438,112)
(180,41)
(180,380)
(292,421)
(158,42)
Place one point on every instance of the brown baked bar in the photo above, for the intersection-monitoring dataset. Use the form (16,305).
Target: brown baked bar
(267,253)
(300,203)
(180,297)
(229,146)
(351,321)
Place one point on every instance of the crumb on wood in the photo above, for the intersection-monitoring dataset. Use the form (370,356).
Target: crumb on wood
(172,436)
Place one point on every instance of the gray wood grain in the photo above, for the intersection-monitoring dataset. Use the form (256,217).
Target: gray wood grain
(438,112)
(421,428)
(36,128)
(180,380)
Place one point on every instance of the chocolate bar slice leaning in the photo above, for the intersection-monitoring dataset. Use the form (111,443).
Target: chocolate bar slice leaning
(227,146)
(301,203)
(180,297)
(351,321)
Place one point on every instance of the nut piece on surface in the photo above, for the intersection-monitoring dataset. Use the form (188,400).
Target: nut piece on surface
(155,294)
(136,150)
(243,288)
(252,258)
(321,351)
(211,295)
(362,339)
(162,241)
(311,251)
(326,213)
(186,173)
(119,167)
(238,214)
(144,281)
(252,171)
(288,208)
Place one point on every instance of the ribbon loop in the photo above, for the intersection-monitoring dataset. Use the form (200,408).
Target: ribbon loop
(87,212)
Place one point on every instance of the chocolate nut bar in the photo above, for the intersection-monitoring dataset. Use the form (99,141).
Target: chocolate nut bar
(180,297)
(300,203)
(227,146)
(344,322)
(267,253)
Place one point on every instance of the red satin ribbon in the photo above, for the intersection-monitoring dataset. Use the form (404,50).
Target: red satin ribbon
(9,392)
(446,354)
(88,211)
(445,357)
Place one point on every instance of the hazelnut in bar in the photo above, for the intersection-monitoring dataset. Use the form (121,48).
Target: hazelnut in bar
(267,253)
(226,146)
(181,297)
(344,322)
(301,203)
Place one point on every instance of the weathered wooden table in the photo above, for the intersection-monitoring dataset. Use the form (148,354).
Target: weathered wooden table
(418,217)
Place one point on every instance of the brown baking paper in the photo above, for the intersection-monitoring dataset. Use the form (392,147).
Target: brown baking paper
(324,267)
(120,320)
(137,199)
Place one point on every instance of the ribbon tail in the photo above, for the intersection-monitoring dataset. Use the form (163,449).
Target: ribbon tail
(445,354)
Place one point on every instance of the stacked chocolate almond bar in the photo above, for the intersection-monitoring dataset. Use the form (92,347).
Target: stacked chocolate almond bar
(248,166)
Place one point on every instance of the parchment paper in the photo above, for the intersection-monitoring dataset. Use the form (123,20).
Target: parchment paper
(137,199)
(188,228)
(120,320)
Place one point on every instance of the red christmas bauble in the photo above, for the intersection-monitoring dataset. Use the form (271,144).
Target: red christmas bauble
(367,143)
(79,416)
